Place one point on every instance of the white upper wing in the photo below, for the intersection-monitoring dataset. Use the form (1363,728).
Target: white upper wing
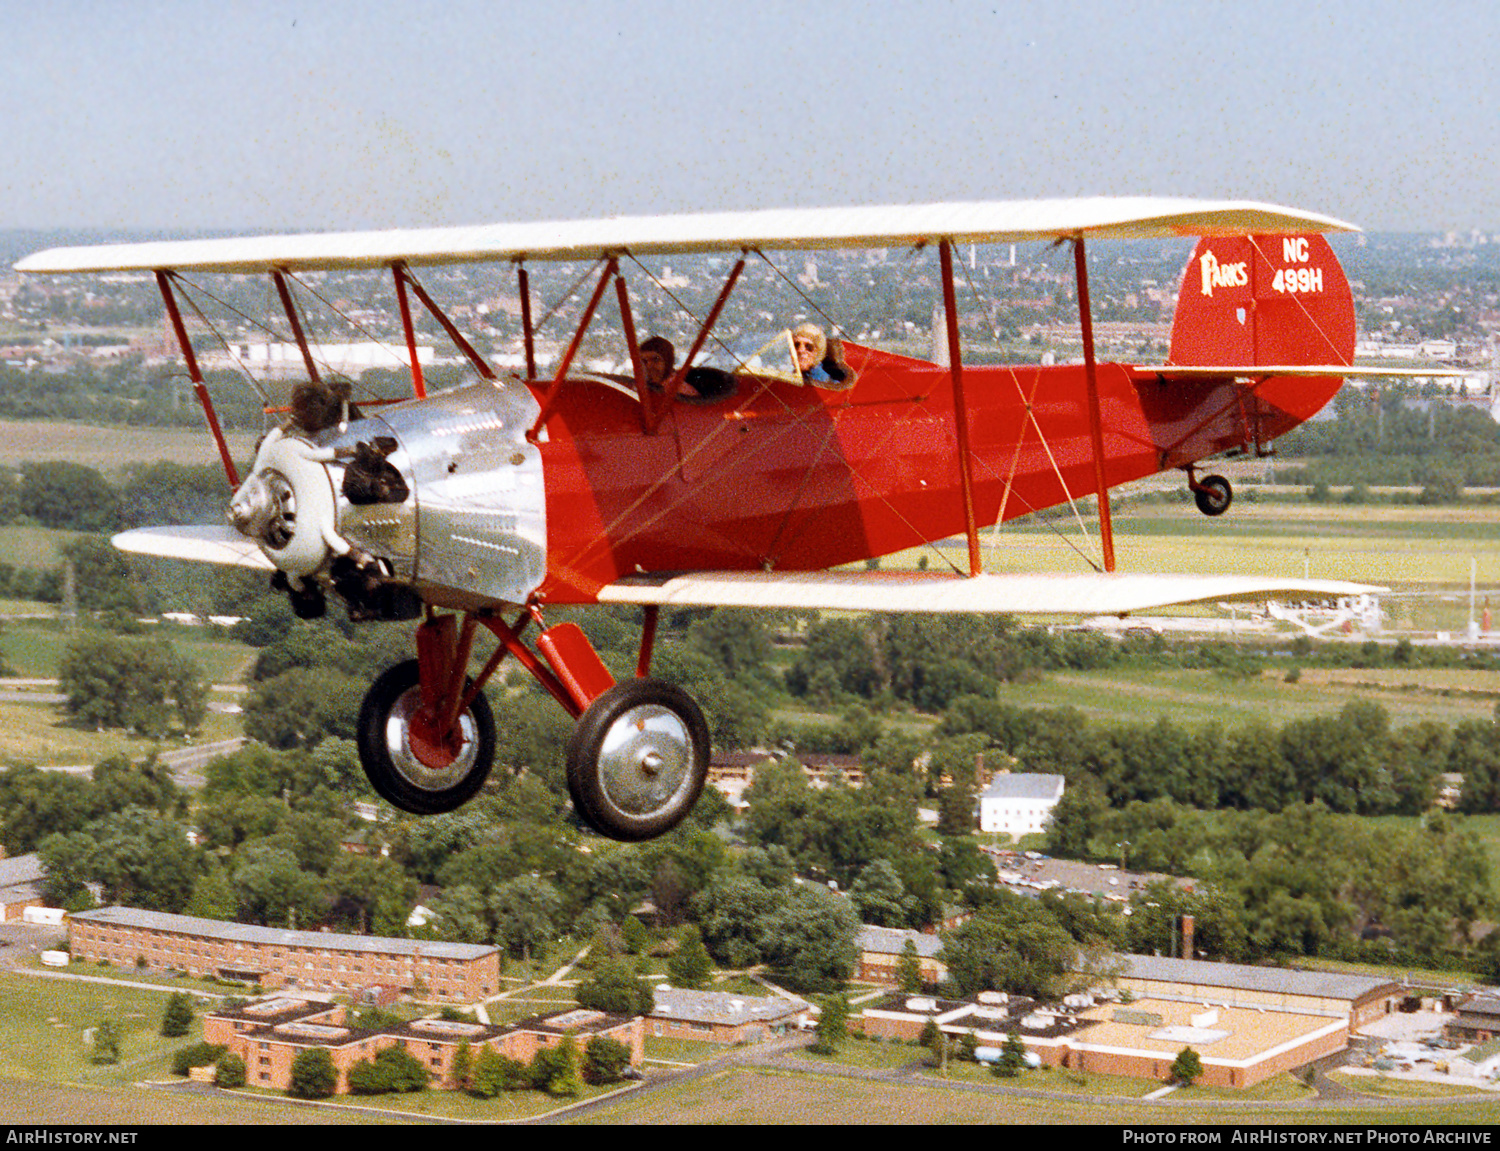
(1067,594)
(1140,217)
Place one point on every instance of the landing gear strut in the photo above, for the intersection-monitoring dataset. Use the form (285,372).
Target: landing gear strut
(1212,494)
(637,760)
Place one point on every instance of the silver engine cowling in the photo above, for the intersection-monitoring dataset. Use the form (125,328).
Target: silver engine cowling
(442,495)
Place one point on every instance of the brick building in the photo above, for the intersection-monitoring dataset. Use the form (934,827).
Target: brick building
(20,886)
(271,957)
(722,1017)
(881,948)
(269,1034)
(1246,1023)
(1359,999)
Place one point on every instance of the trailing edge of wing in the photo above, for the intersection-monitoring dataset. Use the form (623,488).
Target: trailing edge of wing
(203,543)
(1140,217)
(1352,371)
(1070,594)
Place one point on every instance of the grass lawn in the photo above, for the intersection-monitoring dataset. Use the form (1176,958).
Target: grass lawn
(855,1052)
(665,1050)
(1400,546)
(506,1107)
(1390,1087)
(39,733)
(34,649)
(1048,1079)
(758,1095)
(42,1025)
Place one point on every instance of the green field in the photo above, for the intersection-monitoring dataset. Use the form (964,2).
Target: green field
(42,1025)
(1199,696)
(1405,547)
(758,1095)
(32,547)
(110,449)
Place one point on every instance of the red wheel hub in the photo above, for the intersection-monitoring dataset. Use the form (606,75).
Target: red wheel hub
(431,747)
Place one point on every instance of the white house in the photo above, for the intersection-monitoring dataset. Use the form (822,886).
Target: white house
(1019,803)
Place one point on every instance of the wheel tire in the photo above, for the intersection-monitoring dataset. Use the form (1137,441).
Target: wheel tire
(1213,496)
(638,759)
(385,747)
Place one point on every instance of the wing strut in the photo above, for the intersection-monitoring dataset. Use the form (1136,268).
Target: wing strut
(674,384)
(463,345)
(418,384)
(164,282)
(549,401)
(960,408)
(1096,427)
(297,333)
(523,286)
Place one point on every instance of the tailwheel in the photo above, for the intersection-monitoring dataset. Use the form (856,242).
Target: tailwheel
(1213,495)
(416,767)
(638,759)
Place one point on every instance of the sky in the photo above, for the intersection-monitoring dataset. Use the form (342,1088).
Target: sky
(332,114)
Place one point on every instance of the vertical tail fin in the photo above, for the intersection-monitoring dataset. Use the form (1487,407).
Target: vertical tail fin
(1269,299)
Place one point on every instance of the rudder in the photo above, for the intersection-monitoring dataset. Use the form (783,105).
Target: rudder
(1266,299)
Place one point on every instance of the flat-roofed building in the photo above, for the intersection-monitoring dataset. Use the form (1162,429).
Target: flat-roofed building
(269,1035)
(1476,1020)
(723,1017)
(1359,999)
(272,957)
(1238,1047)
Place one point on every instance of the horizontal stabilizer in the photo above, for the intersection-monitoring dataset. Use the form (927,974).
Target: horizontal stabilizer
(1070,594)
(204,543)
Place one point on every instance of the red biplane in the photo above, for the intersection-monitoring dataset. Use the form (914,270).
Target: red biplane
(734,486)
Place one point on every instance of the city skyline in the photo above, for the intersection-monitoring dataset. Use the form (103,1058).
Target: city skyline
(276,115)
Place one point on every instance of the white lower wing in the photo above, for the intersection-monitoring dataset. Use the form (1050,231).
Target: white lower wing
(1038,594)
(205,543)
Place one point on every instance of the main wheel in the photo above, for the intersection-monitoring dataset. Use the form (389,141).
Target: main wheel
(1213,495)
(638,759)
(409,763)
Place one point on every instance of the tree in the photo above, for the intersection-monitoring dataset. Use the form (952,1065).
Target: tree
(461,1070)
(1011,945)
(1186,1068)
(229,1071)
(880,897)
(909,969)
(58,494)
(526,911)
(494,1073)
(116,681)
(833,1025)
(402,1070)
(613,987)
(809,940)
(177,1019)
(555,1070)
(313,1075)
(690,965)
(604,1059)
(106,1043)
(1012,1058)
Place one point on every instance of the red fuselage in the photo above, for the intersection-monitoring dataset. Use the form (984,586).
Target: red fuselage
(781,477)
